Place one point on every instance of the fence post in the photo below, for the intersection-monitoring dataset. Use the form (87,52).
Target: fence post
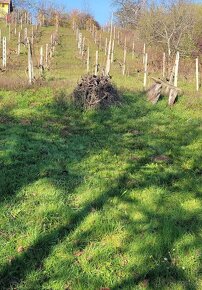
(176,68)
(19,42)
(88,60)
(197,74)
(124,61)
(83,46)
(164,64)
(133,50)
(112,55)
(30,63)
(144,52)
(41,59)
(106,42)
(145,70)
(4,53)
(107,70)
(47,46)
(96,63)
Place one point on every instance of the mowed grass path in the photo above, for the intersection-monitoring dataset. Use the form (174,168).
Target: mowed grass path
(99,199)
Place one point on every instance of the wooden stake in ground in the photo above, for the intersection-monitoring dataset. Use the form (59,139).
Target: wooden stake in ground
(25,35)
(197,74)
(80,42)
(145,71)
(124,60)
(46,58)
(41,60)
(133,50)
(112,55)
(4,53)
(30,63)
(108,64)
(164,65)
(114,32)
(144,52)
(100,42)
(32,36)
(19,43)
(83,46)
(96,63)
(176,68)
(88,60)
(106,42)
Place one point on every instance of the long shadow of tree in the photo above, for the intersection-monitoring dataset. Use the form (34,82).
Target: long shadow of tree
(87,137)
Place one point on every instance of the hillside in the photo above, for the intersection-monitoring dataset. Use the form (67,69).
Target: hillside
(102,199)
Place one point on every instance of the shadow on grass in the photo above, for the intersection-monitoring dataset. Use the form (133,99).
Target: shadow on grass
(29,157)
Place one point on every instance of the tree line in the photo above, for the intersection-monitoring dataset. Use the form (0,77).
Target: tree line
(174,25)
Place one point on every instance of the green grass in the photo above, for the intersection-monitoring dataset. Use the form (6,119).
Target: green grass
(99,199)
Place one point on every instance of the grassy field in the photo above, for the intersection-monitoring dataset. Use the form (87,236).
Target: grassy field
(103,199)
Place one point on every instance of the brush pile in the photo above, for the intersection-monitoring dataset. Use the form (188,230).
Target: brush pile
(95,92)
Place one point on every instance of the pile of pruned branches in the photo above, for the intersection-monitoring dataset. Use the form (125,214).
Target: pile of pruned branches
(95,92)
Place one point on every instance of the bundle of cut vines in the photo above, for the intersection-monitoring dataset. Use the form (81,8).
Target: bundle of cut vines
(95,91)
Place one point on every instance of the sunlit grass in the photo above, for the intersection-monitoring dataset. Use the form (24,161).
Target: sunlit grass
(98,199)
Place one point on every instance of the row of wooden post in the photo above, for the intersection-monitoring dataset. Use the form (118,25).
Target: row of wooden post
(29,44)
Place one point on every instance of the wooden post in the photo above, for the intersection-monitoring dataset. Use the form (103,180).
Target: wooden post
(83,47)
(124,59)
(107,70)
(95,37)
(41,59)
(112,55)
(145,71)
(100,42)
(106,42)
(25,35)
(108,58)
(0,37)
(47,47)
(19,43)
(197,74)
(4,53)
(32,36)
(144,52)
(96,63)
(80,42)
(88,60)
(176,68)
(133,50)
(164,64)
(30,63)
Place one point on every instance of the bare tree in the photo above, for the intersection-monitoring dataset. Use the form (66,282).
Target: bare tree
(171,26)
(128,11)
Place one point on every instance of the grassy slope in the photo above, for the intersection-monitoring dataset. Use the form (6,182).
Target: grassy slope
(102,198)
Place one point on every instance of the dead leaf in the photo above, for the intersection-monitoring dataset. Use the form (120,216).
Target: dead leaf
(144,283)
(20,249)
(78,253)
(135,132)
(161,158)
